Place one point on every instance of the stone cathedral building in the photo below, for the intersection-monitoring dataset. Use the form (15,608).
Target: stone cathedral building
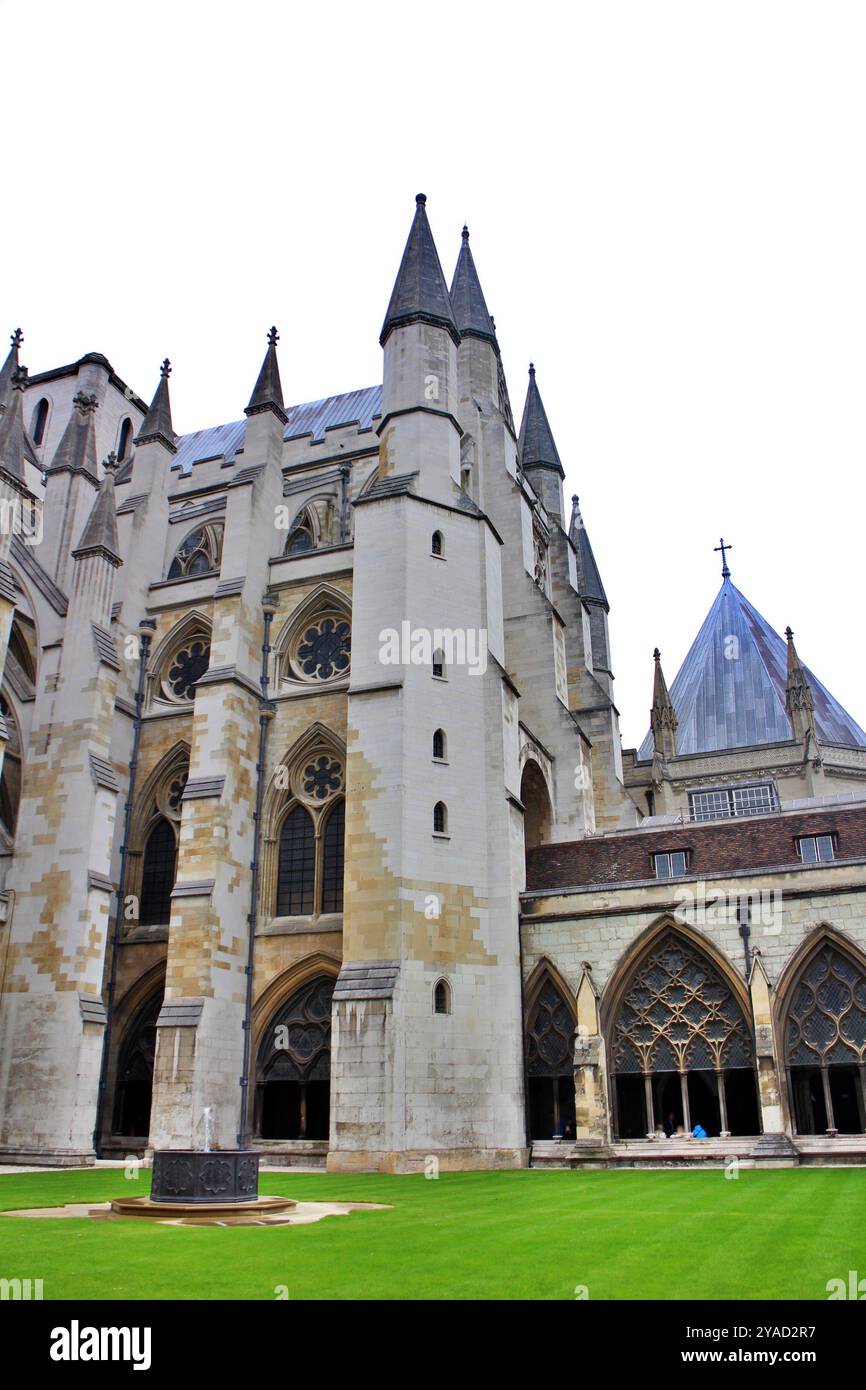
(316,830)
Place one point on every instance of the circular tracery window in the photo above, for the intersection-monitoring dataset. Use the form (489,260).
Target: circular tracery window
(321,777)
(322,650)
(187,666)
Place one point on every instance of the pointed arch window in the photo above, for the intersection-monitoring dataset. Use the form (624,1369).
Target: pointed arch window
(124,438)
(134,1085)
(158,875)
(302,536)
(293,1070)
(440,818)
(439,664)
(550,1064)
(681,1047)
(198,553)
(825,1044)
(39,422)
(332,859)
(442,997)
(436,544)
(440,745)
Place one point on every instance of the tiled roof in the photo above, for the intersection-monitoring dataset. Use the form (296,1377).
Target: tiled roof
(742,843)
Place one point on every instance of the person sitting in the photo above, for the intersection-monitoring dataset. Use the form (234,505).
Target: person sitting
(699,1132)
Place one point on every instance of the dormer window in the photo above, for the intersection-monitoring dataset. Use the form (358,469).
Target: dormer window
(816,849)
(671,864)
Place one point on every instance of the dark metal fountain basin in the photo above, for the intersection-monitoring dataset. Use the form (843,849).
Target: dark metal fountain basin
(189,1175)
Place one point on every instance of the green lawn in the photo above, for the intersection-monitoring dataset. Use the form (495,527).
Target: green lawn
(777,1234)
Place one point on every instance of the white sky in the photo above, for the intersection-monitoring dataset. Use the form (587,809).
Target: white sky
(667,210)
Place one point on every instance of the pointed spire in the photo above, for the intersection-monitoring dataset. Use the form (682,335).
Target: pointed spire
(12,442)
(420,294)
(663,718)
(589,579)
(536,441)
(9,368)
(268,390)
(467,299)
(157,422)
(76,452)
(799,704)
(99,536)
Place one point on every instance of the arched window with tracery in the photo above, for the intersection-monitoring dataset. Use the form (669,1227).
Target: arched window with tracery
(311,835)
(198,553)
(293,1071)
(316,644)
(153,842)
(681,1050)
(550,1063)
(825,1043)
(180,663)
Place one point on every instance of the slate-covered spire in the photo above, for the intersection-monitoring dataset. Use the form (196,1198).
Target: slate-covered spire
(268,390)
(9,368)
(589,579)
(799,704)
(732,690)
(76,452)
(12,442)
(467,299)
(537,447)
(157,422)
(420,293)
(663,716)
(99,536)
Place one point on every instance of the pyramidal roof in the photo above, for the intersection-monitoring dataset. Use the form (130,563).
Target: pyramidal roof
(730,690)
(420,292)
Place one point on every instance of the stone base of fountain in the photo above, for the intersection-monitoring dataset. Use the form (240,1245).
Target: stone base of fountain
(224,1177)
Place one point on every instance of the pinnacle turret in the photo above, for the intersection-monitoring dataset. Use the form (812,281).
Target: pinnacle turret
(157,423)
(9,368)
(12,442)
(467,298)
(420,293)
(663,717)
(100,532)
(268,390)
(76,452)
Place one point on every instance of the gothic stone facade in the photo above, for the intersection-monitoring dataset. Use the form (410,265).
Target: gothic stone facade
(290,706)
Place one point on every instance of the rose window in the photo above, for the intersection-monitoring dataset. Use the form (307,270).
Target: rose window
(321,777)
(187,666)
(323,649)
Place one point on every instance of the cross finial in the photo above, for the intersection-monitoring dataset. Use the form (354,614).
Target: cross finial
(726,573)
(657,656)
(465,232)
(789,634)
(532,369)
(273,338)
(17,338)
(165,370)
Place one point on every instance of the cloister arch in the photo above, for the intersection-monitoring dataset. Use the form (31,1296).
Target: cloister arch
(679,1038)
(551,1019)
(821,1024)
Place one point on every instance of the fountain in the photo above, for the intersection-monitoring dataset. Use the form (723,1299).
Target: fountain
(205,1182)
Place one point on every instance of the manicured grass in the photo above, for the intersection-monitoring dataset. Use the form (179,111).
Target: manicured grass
(778,1234)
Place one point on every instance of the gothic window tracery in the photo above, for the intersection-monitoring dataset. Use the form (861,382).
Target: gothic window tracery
(199,553)
(294,1066)
(550,1063)
(321,649)
(186,665)
(681,1049)
(310,837)
(825,1043)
